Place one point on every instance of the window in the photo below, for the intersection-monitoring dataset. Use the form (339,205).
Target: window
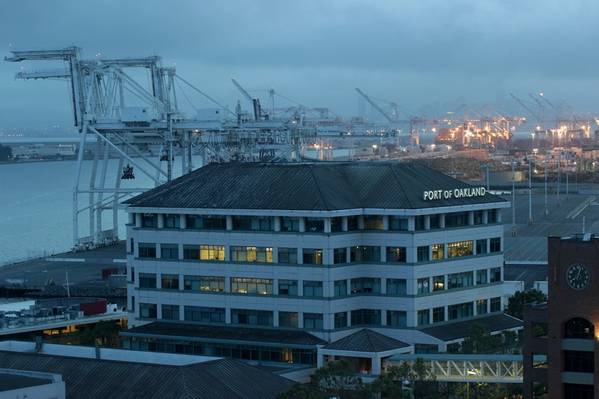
(460,280)
(288,255)
(206,222)
(495,244)
(422,254)
(419,222)
(251,317)
(147,280)
(539,329)
(148,311)
(579,361)
(365,254)
(435,221)
(204,283)
(396,286)
(288,319)
(204,252)
(289,224)
(340,287)
(339,255)
(481,277)
(243,285)
(251,254)
(288,287)
(264,224)
(341,320)
(492,216)
(366,317)
(579,391)
(398,223)
(352,223)
(423,285)
(423,317)
(495,275)
(459,310)
(438,283)
(172,222)
(481,247)
(313,288)
(365,285)
(438,314)
(149,220)
(456,219)
(169,281)
(459,248)
(373,222)
(481,306)
(243,223)
(204,314)
(438,251)
(170,312)
(477,217)
(169,251)
(336,224)
(396,318)
(314,225)
(579,328)
(312,256)
(313,321)
(396,254)
(247,223)
(496,304)
(146,250)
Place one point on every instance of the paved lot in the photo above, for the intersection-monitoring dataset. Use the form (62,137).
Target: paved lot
(564,218)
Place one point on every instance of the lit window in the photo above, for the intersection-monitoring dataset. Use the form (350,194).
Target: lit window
(459,248)
(438,251)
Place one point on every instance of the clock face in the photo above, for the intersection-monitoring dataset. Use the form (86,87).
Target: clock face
(578,277)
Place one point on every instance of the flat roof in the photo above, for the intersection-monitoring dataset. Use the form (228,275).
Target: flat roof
(9,382)
(462,329)
(217,333)
(325,186)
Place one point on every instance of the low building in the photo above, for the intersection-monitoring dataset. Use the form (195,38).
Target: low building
(17,384)
(565,329)
(313,250)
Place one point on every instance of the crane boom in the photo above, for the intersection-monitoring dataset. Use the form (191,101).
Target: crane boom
(526,107)
(255,102)
(375,106)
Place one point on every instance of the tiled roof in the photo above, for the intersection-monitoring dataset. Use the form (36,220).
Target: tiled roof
(225,333)
(307,186)
(99,379)
(366,340)
(461,329)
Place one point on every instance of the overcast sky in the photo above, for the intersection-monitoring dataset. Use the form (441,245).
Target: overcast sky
(425,55)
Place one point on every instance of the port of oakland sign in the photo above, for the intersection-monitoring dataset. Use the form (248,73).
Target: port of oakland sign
(466,192)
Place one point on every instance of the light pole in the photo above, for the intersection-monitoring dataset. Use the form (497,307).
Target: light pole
(559,168)
(529,191)
(513,198)
(546,209)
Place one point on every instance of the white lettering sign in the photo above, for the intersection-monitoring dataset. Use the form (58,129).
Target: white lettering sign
(466,192)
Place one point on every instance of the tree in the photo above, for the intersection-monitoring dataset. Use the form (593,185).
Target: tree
(302,391)
(337,378)
(481,341)
(516,303)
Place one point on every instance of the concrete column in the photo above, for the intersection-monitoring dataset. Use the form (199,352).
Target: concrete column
(376,365)
(386,222)
(138,220)
(181,284)
(411,320)
(499,218)
(411,286)
(228,315)
(229,222)
(327,225)
(427,222)
(485,216)
(181,255)
(277,223)
(361,222)
(347,255)
(159,280)
(302,225)
(348,287)
(442,220)
(411,223)
(300,287)
(227,284)
(275,319)
(344,223)
(275,255)
(470,218)
(383,254)
(383,317)
(445,313)
(300,256)
(131,218)
(383,289)
(158,311)
(411,254)
(319,359)
(161,221)
(300,319)
(183,221)
(181,313)
(158,251)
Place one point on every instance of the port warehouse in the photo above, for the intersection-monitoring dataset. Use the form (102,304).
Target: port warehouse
(283,258)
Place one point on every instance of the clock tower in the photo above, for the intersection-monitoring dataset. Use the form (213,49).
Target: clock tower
(573,317)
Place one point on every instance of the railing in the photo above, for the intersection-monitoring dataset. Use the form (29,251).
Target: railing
(489,368)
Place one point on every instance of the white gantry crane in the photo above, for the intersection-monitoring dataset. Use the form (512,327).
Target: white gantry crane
(127,118)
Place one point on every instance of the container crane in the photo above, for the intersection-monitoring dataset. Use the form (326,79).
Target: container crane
(254,101)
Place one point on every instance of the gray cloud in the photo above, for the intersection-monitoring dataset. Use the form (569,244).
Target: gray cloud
(417,53)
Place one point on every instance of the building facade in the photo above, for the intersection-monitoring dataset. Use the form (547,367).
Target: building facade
(323,248)
(564,329)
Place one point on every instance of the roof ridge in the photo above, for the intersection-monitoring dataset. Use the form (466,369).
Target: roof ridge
(326,205)
(399,183)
